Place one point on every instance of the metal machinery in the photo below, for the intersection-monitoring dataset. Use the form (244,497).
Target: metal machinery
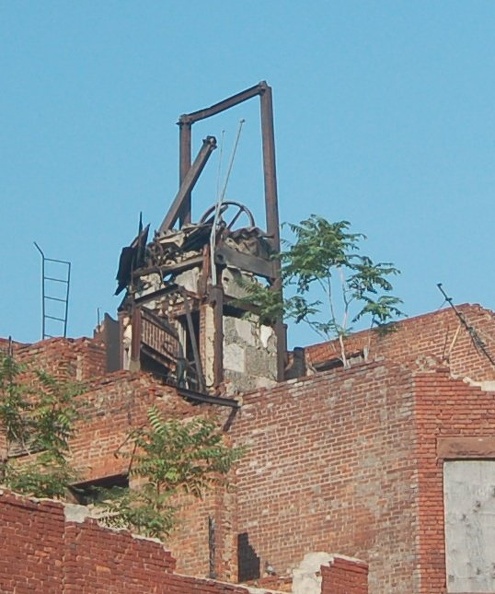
(180,287)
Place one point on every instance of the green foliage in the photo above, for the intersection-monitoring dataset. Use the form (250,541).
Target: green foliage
(170,457)
(325,261)
(258,297)
(37,416)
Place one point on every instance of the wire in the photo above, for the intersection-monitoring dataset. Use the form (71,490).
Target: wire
(475,337)
(218,206)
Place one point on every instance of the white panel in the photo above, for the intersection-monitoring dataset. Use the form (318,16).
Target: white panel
(469,495)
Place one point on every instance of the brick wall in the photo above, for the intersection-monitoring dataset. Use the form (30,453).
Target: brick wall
(331,465)
(341,460)
(44,551)
(447,411)
(110,408)
(439,335)
(344,575)
(50,548)
(78,359)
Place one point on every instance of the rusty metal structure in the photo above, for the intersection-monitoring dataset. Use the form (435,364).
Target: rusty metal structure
(180,314)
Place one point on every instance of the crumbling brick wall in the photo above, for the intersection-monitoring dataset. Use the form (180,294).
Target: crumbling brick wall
(78,359)
(43,551)
(341,460)
(439,335)
(112,407)
(344,576)
(50,548)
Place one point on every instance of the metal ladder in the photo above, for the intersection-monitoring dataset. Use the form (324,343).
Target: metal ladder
(55,284)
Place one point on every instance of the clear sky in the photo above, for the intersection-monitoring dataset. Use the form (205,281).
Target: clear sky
(384,115)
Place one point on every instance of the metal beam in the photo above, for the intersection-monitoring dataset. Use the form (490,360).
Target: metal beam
(201,114)
(227,255)
(205,398)
(184,166)
(269,168)
(188,183)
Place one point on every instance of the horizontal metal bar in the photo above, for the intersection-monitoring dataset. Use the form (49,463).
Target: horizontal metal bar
(57,280)
(57,261)
(205,398)
(54,318)
(201,114)
(164,270)
(56,299)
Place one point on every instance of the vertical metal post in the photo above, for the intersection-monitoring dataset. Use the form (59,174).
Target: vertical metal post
(42,290)
(271,209)
(136,325)
(66,316)
(216,301)
(269,167)
(212,574)
(184,166)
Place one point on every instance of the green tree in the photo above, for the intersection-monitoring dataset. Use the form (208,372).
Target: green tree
(169,457)
(37,415)
(328,283)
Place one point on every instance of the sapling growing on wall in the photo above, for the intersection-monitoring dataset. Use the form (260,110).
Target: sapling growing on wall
(328,283)
(37,415)
(169,457)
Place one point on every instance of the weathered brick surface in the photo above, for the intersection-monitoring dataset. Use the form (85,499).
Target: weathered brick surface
(110,408)
(77,359)
(331,465)
(344,460)
(439,335)
(443,408)
(345,576)
(45,552)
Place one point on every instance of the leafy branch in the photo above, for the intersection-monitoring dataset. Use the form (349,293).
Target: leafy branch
(37,416)
(325,261)
(170,457)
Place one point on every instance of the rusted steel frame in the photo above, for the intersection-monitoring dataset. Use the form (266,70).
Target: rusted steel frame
(151,317)
(194,343)
(184,166)
(272,217)
(268,142)
(188,183)
(216,301)
(269,168)
(270,181)
(201,114)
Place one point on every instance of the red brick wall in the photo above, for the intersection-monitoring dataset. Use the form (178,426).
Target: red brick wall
(345,576)
(44,552)
(331,466)
(110,409)
(78,359)
(340,461)
(49,548)
(438,335)
(445,409)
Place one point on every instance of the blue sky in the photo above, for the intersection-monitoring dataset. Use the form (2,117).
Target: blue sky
(384,115)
